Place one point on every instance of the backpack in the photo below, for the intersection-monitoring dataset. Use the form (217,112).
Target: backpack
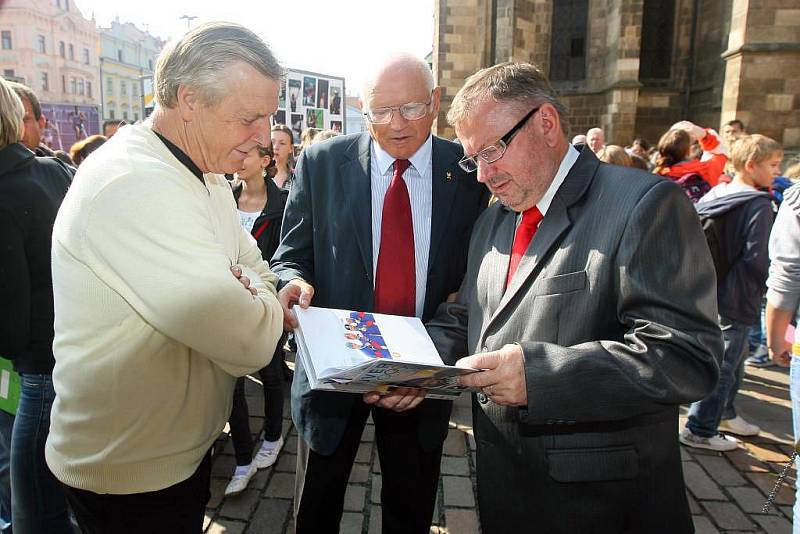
(694,186)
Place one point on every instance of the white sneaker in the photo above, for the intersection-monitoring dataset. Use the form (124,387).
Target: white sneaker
(739,426)
(266,457)
(720,442)
(239,482)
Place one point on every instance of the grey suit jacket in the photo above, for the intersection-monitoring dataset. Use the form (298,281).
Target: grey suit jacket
(614,307)
(327,240)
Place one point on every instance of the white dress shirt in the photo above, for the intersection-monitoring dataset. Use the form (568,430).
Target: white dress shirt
(420,192)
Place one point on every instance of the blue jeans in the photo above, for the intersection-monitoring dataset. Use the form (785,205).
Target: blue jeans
(794,391)
(38,504)
(705,415)
(6,426)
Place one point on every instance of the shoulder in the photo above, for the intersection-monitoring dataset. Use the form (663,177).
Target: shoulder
(336,146)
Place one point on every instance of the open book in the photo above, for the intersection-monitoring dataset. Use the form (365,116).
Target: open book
(356,352)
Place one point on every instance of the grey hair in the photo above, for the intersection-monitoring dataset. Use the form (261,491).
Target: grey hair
(508,82)
(198,57)
(12,113)
(399,58)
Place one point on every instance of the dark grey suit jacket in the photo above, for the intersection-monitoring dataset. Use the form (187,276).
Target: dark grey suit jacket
(327,241)
(614,307)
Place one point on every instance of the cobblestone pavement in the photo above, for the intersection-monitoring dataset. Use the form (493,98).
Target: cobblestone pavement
(726,490)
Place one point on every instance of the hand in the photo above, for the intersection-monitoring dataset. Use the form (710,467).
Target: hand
(245,281)
(503,379)
(781,357)
(694,131)
(399,400)
(295,292)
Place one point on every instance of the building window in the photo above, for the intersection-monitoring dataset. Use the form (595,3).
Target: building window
(8,74)
(135,88)
(86,56)
(45,82)
(658,19)
(109,86)
(66,4)
(568,44)
(62,49)
(73,86)
(89,89)
(125,115)
(136,116)
(123,88)
(111,114)
(81,87)
(150,64)
(119,55)
(6,38)
(71,52)
(40,44)
(63,84)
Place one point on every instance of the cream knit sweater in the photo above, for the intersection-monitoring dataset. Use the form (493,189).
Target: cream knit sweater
(151,327)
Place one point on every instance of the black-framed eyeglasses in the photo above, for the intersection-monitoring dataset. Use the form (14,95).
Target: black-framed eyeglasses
(495,151)
(412,111)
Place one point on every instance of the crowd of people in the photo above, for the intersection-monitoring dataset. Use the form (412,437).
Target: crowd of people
(598,288)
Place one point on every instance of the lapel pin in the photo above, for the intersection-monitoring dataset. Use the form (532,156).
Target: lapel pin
(448,176)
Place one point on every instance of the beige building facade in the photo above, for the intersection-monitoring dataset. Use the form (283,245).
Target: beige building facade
(127,58)
(634,67)
(49,46)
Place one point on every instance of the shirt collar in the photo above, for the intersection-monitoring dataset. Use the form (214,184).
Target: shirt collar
(421,159)
(181,156)
(566,164)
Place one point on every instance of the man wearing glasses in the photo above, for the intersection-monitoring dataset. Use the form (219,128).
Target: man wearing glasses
(589,300)
(400,192)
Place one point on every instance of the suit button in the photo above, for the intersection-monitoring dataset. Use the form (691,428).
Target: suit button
(484,349)
(482,398)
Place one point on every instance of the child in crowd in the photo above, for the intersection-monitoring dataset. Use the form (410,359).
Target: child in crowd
(675,162)
(260,203)
(747,214)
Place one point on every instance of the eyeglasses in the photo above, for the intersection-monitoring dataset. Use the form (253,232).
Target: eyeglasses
(413,111)
(495,151)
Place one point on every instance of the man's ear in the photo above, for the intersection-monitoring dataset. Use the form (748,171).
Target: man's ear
(188,102)
(749,165)
(550,124)
(42,122)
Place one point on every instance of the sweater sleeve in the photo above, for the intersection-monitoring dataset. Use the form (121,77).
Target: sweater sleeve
(784,250)
(160,251)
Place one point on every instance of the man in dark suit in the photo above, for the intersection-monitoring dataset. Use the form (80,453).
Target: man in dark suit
(589,301)
(378,222)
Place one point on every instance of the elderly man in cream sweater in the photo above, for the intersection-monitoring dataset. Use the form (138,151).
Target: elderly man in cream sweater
(161,298)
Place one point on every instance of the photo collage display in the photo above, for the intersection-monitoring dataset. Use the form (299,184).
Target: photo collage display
(310,100)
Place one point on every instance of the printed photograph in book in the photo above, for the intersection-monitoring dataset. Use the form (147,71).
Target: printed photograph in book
(282,97)
(362,333)
(279,117)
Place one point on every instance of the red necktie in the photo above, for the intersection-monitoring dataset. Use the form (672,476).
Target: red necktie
(395,278)
(522,238)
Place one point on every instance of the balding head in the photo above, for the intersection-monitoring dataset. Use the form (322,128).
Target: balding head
(402,81)
(402,65)
(596,139)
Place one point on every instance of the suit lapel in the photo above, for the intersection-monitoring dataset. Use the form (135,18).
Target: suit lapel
(499,256)
(354,177)
(443,192)
(555,224)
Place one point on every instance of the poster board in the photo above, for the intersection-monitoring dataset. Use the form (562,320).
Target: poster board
(311,100)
